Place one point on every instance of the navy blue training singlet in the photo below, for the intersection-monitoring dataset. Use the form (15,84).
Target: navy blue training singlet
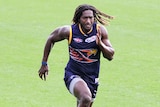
(84,54)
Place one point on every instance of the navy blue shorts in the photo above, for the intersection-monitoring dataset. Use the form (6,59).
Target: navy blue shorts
(92,85)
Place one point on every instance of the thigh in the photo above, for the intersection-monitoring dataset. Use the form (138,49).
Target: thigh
(80,89)
(75,84)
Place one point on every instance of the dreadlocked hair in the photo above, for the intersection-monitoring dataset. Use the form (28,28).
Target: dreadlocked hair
(101,17)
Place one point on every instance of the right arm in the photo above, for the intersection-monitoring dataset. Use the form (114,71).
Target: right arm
(58,35)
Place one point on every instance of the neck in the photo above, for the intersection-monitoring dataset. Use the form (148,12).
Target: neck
(84,31)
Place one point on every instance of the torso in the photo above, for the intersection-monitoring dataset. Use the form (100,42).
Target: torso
(84,53)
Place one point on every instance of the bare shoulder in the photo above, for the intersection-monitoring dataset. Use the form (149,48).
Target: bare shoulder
(60,33)
(103,30)
(63,31)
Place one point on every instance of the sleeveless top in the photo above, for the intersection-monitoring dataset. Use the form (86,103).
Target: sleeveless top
(84,53)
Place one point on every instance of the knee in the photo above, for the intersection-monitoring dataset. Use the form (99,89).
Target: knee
(85,99)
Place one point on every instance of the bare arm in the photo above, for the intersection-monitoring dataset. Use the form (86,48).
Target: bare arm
(58,35)
(104,43)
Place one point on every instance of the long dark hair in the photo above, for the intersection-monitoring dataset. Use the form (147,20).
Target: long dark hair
(99,16)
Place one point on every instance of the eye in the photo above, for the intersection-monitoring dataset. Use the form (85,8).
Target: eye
(88,17)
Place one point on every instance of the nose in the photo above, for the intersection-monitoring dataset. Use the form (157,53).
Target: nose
(88,20)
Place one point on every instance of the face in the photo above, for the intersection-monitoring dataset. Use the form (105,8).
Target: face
(87,20)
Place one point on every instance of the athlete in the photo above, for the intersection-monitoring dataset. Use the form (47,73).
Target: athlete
(87,39)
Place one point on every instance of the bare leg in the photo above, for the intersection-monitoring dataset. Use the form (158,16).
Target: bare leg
(83,94)
(89,105)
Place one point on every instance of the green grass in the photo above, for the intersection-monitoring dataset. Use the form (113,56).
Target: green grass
(132,79)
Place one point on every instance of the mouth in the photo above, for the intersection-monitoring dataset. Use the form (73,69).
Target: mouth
(88,26)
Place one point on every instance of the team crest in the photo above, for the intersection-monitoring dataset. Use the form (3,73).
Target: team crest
(77,40)
(83,55)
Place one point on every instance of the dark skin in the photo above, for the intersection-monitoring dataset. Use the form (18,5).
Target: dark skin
(81,90)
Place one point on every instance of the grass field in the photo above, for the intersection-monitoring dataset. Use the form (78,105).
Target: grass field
(132,79)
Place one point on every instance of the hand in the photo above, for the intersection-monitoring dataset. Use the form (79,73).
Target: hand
(99,37)
(43,72)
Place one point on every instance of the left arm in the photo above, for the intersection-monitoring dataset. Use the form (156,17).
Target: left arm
(104,43)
